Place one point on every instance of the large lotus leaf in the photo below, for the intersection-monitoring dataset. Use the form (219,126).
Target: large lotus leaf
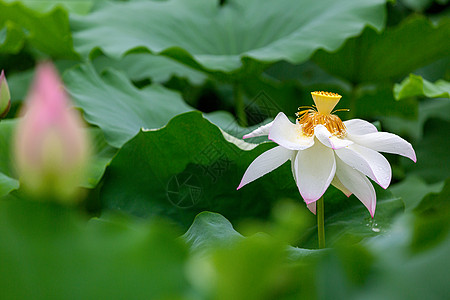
(51,252)
(391,54)
(11,38)
(102,154)
(76,6)
(413,189)
(208,35)
(210,230)
(417,86)
(47,32)
(141,66)
(116,106)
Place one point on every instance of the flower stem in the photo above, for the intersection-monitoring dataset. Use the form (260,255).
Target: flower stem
(239,105)
(320,223)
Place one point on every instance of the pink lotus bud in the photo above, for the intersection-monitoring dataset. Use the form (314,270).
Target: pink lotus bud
(5,97)
(51,146)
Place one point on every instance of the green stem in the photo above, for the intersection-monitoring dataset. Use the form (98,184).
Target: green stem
(320,222)
(240,105)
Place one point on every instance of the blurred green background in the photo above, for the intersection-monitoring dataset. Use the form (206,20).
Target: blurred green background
(168,89)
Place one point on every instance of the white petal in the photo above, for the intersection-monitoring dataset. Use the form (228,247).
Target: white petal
(315,168)
(358,184)
(260,131)
(312,207)
(289,135)
(367,161)
(358,126)
(329,140)
(385,142)
(294,156)
(338,184)
(265,163)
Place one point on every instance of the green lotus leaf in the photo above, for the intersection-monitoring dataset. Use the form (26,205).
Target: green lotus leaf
(116,106)
(413,189)
(47,32)
(391,54)
(141,66)
(207,35)
(415,85)
(75,6)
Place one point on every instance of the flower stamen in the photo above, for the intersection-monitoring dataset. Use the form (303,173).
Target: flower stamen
(323,115)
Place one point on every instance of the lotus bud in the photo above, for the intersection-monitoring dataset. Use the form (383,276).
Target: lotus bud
(5,97)
(51,147)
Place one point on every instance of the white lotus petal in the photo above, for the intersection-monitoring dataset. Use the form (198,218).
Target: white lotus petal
(312,207)
(358,184)
(338,184)
(289,135)
(260,131)
(385,142)
(315,168)
(265,163)
(358,126)
(294,156)
(367,161)
(329,140)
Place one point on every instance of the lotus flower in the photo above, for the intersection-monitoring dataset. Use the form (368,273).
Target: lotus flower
(5,97)
(324,150)
(51,147)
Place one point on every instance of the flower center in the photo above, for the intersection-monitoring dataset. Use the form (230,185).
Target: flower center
(309,118)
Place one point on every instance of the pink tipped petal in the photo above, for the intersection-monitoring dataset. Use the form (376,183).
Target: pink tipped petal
(260,131)
(358,126)
(265,163)
(385,142)
(367,161)
(338,184)
(326,138)
(358,184)
(312,207)
(315,168)
(51,146)
(289,135)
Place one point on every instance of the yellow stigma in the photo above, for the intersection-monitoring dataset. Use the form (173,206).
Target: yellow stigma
(309,118)
(325,101)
